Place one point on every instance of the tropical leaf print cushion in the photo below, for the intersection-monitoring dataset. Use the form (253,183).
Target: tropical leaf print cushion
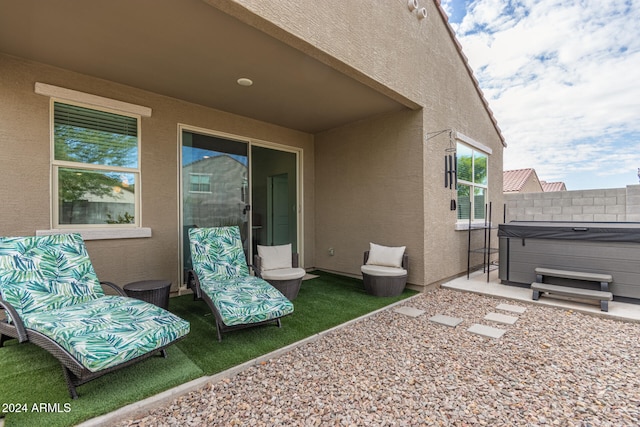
(219,261)
(244,300)
(46,272)
(107,331)
(51,283)
(217,253)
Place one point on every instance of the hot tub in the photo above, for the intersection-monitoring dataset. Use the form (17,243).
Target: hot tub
(593,247)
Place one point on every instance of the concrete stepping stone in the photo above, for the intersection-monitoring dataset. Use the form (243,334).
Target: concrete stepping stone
(501,318)
(486,331)
(409,311)
(511,308)
(446,320)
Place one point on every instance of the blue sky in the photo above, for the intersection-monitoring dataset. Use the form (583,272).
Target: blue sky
(563,80)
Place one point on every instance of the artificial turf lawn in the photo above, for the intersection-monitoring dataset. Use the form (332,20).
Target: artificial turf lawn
(30,375)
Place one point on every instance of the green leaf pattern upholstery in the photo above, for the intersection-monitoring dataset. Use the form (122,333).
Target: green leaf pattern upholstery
(46,272)
(108,331)
(51,283)
(220,264)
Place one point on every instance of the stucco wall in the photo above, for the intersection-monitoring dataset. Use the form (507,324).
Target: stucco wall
(452,102)
(372,41)
(24,161)
(607,205)
(386,46)
(376,180)
(369,185)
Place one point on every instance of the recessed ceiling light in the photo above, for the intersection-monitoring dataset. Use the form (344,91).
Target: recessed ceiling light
(243,81)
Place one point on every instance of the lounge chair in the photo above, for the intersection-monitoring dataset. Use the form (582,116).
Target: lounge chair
(384,272)
(52,298)
(278,265)
(220,276)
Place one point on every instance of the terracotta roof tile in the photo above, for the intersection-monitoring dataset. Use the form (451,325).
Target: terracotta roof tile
(553,186)
(514,180)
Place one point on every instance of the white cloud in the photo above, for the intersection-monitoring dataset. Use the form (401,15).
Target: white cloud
(447,5)
(561,78)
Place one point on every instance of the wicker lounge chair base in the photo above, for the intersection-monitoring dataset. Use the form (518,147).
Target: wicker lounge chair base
(289,288)
(384,281)
(384,286)
(286,280)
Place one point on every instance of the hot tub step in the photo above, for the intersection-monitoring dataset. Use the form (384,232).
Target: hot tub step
(603,297)
(576,275)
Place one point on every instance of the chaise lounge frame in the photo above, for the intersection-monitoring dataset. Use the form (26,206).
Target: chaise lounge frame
(193,282)
(74,372)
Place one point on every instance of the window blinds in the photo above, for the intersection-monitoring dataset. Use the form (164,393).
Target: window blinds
(102,121)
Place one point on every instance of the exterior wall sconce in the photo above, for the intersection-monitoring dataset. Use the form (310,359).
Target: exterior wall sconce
(422,13)
(413,5)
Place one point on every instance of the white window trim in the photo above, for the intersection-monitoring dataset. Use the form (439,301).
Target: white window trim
(473,143)
(463,224)
(200,174)
(99,102)
(101,233)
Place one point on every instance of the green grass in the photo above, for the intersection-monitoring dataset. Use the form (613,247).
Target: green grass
(29,375)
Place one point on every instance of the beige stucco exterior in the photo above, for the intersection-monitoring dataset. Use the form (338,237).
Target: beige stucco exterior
(25,158)
(374,179)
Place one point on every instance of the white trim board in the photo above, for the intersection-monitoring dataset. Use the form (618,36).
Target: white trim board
(472,142)
(95,100)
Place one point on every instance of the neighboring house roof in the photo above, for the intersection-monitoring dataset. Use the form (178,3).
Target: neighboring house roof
(526,181)
(514,181)
(553,186)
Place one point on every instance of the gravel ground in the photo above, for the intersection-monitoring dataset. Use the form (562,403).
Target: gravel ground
(552,367)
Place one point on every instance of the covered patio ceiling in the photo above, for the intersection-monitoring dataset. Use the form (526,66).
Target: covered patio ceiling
(192,51)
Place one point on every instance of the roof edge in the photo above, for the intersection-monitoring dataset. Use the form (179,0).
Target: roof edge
(452,33)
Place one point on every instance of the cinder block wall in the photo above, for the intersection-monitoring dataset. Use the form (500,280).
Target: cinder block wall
(605,205)
(633,203)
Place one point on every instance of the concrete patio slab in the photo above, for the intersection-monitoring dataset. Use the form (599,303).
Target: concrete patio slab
(501,318)
(446,320)
(512,308)
(409,311)
(487,331)
(477,283)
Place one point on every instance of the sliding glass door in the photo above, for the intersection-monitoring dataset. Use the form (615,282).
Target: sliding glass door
(275,197)
(222,185)
(215,186)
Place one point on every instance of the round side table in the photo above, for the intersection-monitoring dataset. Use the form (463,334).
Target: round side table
(153,291)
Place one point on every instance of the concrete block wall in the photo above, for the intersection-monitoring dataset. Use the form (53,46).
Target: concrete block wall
(633,203)
(603,205)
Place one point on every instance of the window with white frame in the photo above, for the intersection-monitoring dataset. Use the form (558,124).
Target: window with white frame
(472,182)
(200,183)
(95,166)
